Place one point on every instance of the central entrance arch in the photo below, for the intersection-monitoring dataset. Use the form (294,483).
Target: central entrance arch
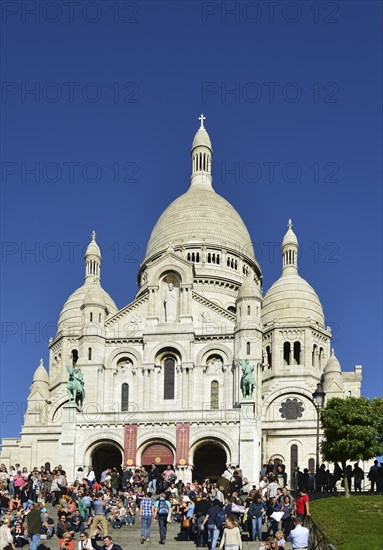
(209,460)
(106,455)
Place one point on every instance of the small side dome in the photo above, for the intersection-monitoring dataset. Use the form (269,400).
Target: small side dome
(332,365)
(249,289)
(70,319)
(95,296)
(41,375)
(291,298)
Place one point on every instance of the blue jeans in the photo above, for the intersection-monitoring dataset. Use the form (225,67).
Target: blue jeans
(35,541)
(213,534)
(163,525)
(153,486)
(256,528)
(201,534)
(146,523)
(129,520)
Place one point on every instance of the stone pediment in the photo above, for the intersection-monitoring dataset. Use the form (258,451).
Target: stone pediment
(334,387)
(206,311)
(134,313)
(170,261)
(37,395)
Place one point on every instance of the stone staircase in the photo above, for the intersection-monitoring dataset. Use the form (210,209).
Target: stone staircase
(129,537)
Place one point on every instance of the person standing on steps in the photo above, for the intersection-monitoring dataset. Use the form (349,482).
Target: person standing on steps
(161,511)
(146,515)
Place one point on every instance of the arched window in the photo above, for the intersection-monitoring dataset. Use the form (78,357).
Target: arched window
(89,354)
(311,465)
(321,357)
(248,310)
(232,309)
(214,395)
(297,353)
(99,317)
(269,356)
(314,355)
(125,397)
(286,353)
(197,256)
(293,463)
(91,317)
(74,356)
(169,378)
(247,348)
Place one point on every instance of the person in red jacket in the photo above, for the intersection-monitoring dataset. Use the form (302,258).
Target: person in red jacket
(302,505)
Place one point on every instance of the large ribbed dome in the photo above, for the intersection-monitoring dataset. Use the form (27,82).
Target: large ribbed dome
(291,298)
(200,216)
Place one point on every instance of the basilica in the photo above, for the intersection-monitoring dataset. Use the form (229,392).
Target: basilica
(201,369)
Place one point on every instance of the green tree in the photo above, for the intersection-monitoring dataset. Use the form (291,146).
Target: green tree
(349,432)
(377,419)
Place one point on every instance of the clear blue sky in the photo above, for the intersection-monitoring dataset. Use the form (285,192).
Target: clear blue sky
(293,105)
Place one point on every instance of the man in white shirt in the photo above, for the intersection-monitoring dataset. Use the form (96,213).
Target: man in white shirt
(299,537)
(228,473)
(91,477)
(104,475)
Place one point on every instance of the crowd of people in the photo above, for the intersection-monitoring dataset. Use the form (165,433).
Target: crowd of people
(223,512)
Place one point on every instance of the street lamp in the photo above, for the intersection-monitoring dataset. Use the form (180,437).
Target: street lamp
(318,400)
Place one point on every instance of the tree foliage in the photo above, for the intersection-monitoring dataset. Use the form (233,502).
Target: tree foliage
(377,406)
(351,430)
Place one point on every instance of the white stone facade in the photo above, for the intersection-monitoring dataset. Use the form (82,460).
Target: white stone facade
(199,307)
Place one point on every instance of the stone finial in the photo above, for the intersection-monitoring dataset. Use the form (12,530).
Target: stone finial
(41,364)
(290,224)
(93,235)
(332,352)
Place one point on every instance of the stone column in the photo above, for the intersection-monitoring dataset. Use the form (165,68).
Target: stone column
(249,441)
(66,444)
(185,303)
(154,311)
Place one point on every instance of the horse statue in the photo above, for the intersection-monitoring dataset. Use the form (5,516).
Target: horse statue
(247,379)
(75,386)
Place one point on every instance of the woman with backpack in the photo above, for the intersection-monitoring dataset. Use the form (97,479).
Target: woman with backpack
(161,512)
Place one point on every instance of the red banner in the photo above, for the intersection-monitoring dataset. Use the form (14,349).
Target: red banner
(130,444)
(182,446)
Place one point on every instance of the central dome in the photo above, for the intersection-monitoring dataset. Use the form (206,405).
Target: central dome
(200,216)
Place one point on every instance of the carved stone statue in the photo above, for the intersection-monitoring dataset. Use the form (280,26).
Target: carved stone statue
(75,386)
(214,365)
(247,380)
(170,302)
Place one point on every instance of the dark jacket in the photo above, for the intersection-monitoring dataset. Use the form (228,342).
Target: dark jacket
(102,547)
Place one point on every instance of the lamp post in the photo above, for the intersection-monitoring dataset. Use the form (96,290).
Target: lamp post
(318,400)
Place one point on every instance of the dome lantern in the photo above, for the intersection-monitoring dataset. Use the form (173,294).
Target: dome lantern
(92,260)
(290,251)
(201,153)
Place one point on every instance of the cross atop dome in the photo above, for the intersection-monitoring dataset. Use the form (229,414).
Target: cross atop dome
(93,235)
(202,118)
(290,224)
